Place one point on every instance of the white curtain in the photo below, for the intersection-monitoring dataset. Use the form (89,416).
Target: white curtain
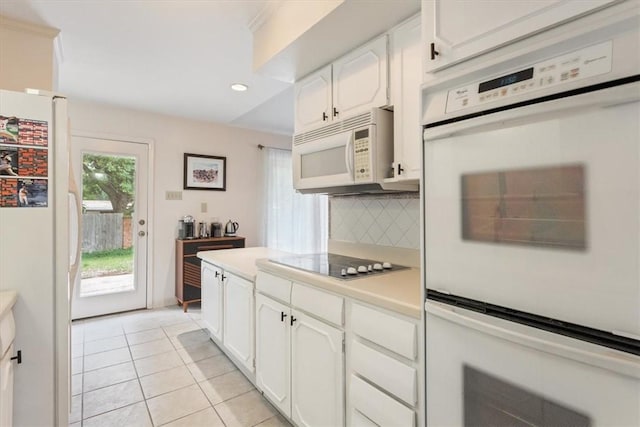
(292,222)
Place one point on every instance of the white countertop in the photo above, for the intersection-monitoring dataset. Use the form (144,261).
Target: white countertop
(241,261)
(7,301)
(397,291)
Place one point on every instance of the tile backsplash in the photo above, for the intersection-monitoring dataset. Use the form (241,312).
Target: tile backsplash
(388,220)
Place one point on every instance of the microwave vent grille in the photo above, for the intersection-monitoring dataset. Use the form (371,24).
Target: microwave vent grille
(334,129)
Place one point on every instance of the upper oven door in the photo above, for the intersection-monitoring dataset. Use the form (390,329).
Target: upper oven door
(324,162)
(537,208)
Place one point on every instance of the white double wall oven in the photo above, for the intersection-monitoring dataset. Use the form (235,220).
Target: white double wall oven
(532,234)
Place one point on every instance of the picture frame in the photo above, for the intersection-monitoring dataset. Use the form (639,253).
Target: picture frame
(203,172)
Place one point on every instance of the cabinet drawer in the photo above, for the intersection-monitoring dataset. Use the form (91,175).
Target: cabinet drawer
(388,373)
(324,305)
(377,406)
(397,335)
(274,286)
(359,420)
(192,247)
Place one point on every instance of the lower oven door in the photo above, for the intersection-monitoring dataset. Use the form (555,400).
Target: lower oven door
(483,371)
(537,208)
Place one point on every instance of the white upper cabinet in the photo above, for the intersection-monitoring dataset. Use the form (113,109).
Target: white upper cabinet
(406,78)
(351,85)
(456,30)
(313,99)
(360,80)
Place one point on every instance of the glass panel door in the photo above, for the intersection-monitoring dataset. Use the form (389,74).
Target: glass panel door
(113,271)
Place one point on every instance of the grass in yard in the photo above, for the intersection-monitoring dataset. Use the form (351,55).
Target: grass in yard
(107,263)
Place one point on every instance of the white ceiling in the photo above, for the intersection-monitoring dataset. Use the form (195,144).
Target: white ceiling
(176,57)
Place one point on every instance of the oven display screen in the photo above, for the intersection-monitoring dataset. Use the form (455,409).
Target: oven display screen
(362,133)
(506,80)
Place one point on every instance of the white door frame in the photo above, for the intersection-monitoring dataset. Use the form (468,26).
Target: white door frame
(150,201)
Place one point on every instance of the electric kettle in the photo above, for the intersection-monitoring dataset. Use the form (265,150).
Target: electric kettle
(231,228)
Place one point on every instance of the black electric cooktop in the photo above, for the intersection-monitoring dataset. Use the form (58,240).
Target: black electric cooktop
(338,266)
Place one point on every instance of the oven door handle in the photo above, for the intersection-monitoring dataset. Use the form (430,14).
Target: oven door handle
(532,111)
(536,339)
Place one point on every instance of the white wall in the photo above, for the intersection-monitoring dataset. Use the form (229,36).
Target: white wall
(172,137)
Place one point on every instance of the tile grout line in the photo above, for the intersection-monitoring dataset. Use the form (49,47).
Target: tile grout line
(135,369)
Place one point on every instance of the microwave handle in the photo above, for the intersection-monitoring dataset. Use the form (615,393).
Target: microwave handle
(348,156)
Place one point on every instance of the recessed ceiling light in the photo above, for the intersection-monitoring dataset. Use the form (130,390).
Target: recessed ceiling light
(239,87)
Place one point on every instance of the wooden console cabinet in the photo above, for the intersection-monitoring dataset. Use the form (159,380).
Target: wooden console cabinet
(188,264)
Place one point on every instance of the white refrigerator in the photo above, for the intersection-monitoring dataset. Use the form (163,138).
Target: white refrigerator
(38,249)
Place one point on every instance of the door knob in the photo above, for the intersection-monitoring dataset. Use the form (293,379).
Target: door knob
(141,222)
(141,233)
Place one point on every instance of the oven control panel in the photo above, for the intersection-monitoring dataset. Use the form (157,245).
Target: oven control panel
(580,64)
(362,155)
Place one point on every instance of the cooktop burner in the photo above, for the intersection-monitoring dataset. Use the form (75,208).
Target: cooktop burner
(338,266)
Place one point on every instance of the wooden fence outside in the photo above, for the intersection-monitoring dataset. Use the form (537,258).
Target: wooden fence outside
(101,231)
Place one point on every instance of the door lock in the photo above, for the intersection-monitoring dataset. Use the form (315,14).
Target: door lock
(141,222)
(141,233)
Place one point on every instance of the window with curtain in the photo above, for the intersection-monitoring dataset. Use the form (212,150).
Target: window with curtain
(293,222)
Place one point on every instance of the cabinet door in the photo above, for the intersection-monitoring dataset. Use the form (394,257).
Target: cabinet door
(317,372)
(212,299)
(406,78)
(360,80)
(461,29)
(238,319)
(313,100)
(6,388)
(273,346)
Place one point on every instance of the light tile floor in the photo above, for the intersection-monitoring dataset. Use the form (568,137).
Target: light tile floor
(159,368)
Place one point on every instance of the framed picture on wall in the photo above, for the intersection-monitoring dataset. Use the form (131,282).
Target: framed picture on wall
(202,172)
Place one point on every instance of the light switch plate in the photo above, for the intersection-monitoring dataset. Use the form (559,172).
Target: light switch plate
(173,195)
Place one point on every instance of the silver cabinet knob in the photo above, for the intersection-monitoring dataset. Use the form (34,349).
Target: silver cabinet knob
(141,233)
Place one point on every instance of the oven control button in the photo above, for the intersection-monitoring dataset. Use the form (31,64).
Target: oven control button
(362,269)
(352,270)
(343,272)
(369,268)
(377,266)
(386,265)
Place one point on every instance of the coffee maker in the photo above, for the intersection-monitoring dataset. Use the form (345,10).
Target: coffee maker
(186,228)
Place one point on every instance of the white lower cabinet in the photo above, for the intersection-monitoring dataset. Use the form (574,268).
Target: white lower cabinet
(212,299)
(302,368)
(238,319)
(383,369)
(227,313)
(273,351)
(6,388)
(300,359)
(317,372)
(373,407)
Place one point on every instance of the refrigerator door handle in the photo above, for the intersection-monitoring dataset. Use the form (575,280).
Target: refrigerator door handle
(75,230)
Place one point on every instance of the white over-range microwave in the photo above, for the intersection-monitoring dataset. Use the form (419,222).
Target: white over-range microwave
(354,155)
